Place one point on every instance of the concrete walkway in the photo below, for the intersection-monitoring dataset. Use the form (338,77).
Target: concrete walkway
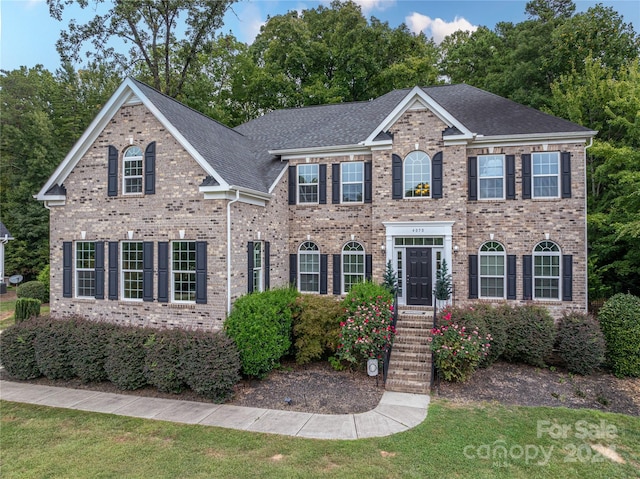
(396,412)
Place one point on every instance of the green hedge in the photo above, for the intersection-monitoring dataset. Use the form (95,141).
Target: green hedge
(261,326)
(580,343)
(316,327)
(33,289)
(52,345)
(164,360)
(26,308)
(17,353)
(88,351)
(530,336)
(619,319)
(124,363)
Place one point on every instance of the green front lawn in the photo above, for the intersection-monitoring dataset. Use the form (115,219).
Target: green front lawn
(9,305)
(454,441)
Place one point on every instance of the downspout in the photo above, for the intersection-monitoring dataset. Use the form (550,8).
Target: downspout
(229,248)
(586,237)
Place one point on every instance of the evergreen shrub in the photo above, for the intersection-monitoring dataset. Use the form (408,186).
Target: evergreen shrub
(619,320)
(580,343)
(316,327)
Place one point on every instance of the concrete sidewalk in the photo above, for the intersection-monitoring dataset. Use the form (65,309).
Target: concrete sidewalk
(395,413)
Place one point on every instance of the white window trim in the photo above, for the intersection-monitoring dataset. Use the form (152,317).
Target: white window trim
(364,264)
(125,159)
(78,270)
(557,175)
(533,270)
(123,271)
(503,254)
(259,269)
(404,177)
(502,177)
(315,252)
(173,284)
(343,182)
(317,166)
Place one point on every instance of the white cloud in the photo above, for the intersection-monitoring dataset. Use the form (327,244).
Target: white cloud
(370,5)
(249,20)
(437,28)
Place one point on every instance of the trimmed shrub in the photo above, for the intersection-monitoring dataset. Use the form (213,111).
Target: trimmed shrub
(44,277)
(530,336)
(261,326)
(52,344)
(163,360)
(365,292)
(26,308)
(17,353)
(316,328)
(619,320)
(124,363)
(33,289)
(580,343)
(88,350)
(211,364)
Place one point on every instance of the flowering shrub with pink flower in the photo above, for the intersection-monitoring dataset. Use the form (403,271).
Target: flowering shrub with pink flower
(367,327)
(458,350)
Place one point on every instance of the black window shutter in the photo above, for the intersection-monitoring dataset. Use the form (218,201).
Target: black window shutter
(147,271)
(322,184)
(472,187)
(112,167)
(113,269)
(337,284)
(437,176)
(323,273)
(335,183)
(473,276)
(293,270)
(163,272)
(511,177)
(67,269)
(368,182)
(527,277)
(99,267)
(201,272)
(368,267)
(396,174)
(150,169)
(292,185)
(526,177)
(250,267)
(267,265)
(511,276)
(565,160)
(567,277)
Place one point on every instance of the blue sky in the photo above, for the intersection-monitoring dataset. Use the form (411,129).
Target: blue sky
(28,34)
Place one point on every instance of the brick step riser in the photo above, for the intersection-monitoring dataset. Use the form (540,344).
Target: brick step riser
(410,348)
(415,356)
(410,376)
(402,388)
(413,341)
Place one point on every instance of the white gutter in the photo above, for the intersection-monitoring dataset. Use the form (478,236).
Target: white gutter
(237,190)
(586,232)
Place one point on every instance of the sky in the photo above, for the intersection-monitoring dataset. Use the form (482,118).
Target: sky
(28,34)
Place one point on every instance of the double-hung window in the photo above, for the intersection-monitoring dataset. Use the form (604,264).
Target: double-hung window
(491,177)
(183,269)
(546,174)
(309,268)
(492,270)
(417,175)
(352,175)
(258,275)
(85,269)
(308,178)
(353,267)
(133,170)
(132,270)
(546,271)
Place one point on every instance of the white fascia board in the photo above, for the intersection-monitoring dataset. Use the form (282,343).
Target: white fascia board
(127,93)
(277,180)
(320,152)
(419,94)
(531,139)
(247,195)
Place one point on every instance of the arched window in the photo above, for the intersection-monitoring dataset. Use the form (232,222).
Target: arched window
(546,270)
(492,270)
(417,175)
(309,268)
(353,267)
(132,171)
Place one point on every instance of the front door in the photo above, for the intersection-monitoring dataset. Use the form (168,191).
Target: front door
(419,276)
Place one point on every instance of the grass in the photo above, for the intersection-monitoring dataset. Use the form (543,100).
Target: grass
(454,441)
(9,305)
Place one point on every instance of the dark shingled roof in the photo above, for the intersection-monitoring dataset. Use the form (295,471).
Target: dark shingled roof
(4,231)
(241,157)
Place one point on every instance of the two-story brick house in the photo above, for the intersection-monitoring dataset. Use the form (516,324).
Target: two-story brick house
(162,216)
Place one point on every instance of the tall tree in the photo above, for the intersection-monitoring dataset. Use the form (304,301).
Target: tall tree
(165,36)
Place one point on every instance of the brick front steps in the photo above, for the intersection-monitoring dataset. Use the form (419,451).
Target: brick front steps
(410,364)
